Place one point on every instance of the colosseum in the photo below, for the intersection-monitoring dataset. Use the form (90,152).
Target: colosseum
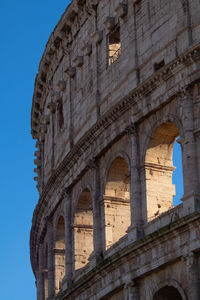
(118,84)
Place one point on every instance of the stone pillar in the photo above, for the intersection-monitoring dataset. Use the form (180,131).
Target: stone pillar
(51,275)
(45,276)
(71,71)
(192,276)
(136,229)
(136,45)
(52,107)
(96,75)
(42,149)
(67,281)
(97,224)
(40,283)
(37,283)
(131,291)
(189,156)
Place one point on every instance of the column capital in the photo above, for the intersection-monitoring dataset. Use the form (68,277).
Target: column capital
(66,192)
(92,163)
(185,93)
(129,283)
(131,129)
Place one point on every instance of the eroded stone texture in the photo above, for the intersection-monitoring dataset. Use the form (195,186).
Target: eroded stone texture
(117,85)
(83,230)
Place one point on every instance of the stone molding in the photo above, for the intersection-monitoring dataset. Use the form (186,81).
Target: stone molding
(131,129)
(146,87)
(93,163)
(103,123)
(133,250)
(62,35)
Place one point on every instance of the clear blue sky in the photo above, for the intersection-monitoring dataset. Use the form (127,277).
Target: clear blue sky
(25,28)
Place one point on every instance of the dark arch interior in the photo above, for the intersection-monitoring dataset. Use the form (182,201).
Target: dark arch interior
(167,293)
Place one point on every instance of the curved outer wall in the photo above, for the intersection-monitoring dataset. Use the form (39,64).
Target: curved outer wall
(118,82)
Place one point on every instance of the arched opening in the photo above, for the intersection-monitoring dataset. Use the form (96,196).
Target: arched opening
(177,177)
(83,230)
(159,169)
(167,293)
(59,254)
(117,201)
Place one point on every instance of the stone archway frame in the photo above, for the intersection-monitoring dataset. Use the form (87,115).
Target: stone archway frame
(157,120)
(80,190)
(161,120)
(77,197)
(108,162)
(170,282)
(59,214)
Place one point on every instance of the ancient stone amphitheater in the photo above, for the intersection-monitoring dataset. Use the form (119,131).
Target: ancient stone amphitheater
(118,83)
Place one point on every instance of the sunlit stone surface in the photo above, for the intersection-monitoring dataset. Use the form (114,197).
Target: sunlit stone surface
(118,84)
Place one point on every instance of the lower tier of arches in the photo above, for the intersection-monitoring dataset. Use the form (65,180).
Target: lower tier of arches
(163,265)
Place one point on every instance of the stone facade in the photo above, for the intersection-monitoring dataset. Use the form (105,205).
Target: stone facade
(118,84)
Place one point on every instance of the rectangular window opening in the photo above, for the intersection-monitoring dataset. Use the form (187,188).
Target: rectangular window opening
(114,46)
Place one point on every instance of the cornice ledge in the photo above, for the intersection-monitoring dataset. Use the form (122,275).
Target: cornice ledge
(104,122)
(129,251)
(187,58)
(53,44)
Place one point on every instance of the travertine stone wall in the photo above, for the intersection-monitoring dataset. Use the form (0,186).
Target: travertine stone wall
(105,226)
(159,170)
(83,230)
(117,201)
(59,253)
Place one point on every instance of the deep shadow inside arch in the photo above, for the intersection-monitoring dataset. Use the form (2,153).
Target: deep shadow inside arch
(159,169)
(167,293)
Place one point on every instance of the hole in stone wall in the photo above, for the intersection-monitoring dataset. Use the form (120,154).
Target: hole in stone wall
(158,66)
(60,117)
(114,46)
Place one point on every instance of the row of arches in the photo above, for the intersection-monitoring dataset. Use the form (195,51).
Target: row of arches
(116,204)
(117,220)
